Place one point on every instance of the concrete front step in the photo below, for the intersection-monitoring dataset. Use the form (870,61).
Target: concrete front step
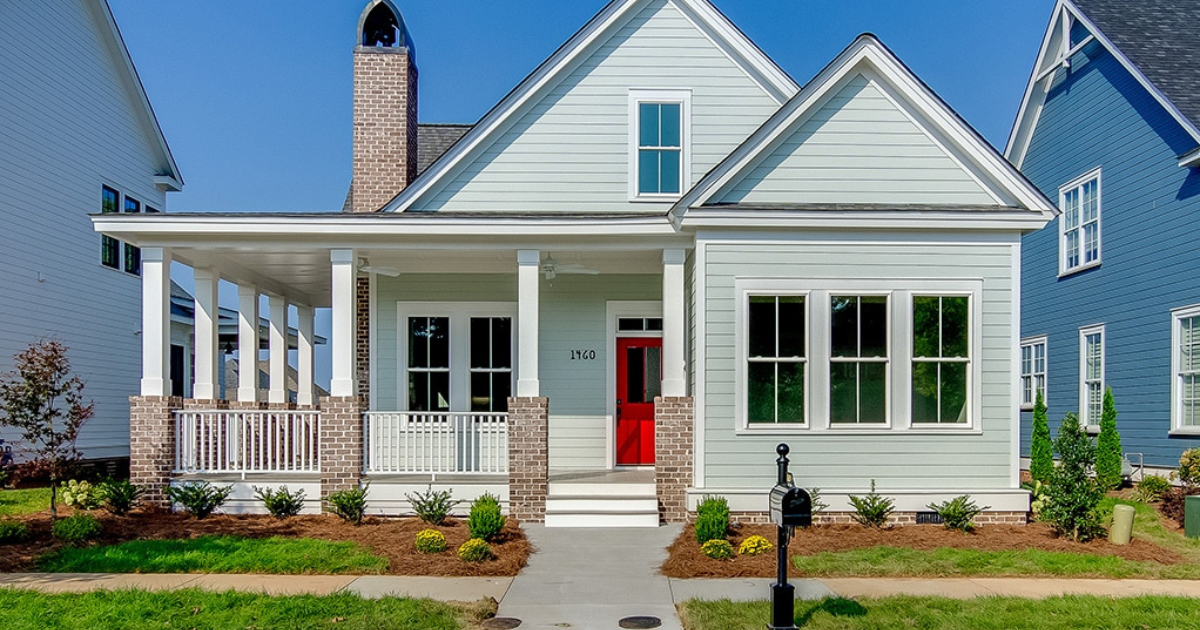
(557,488)
(602,505)
(606,519)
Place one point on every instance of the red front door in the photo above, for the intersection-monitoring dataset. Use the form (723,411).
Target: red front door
(639,381)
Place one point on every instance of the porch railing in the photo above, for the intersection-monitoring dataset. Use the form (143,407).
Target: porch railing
(247,441)
(436,442)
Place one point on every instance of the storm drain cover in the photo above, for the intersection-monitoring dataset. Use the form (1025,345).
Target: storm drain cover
(640,623)
(501,623)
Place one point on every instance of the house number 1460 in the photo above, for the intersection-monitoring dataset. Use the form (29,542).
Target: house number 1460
(583,355)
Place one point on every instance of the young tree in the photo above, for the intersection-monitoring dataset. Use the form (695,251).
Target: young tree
(44,401)
(1041,451)
(1073,495)
(1108,446)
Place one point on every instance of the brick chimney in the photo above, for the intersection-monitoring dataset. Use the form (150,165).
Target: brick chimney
(385,108)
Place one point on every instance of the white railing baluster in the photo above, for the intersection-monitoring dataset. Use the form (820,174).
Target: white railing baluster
(247,441)
(435,443)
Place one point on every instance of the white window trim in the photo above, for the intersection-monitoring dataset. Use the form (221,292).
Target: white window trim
(1083,401)
(817,302)
(1063,270)
(684,98)
(1177,426)
(1044,341)
(972,353)
(743,334)
(460,314)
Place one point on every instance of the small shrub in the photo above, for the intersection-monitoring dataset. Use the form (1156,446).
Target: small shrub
(121,496)
(754,545)
(1188,472)
(199,498)
(818,506)
(349,505)
(81,495)
(76,529)
(1173,501)
(281,503)
(432,506)
(13,532)
(1073,495)
(1108,446)
(872,510)
(475,550)
(431,541)
(712,519)
(1041,447)
(717,549)
(485,520)
(958,513)
(1152,488)
(1038,498)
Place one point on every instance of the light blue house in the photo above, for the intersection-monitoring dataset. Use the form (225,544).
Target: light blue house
(1108,127)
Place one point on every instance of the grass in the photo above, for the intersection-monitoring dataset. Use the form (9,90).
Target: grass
(932,613)
(218,554)
(894,561)
(21,502)
(136,610)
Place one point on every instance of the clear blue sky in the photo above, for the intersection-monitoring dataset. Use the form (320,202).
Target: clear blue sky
(255,95)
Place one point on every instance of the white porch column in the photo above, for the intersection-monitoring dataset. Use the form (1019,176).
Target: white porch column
(342,339)
(207,361)
(674,376)
(304,356)
(528,283)
(277,394)
(247,344)
(156,321)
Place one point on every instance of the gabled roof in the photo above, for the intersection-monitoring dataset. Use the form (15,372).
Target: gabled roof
(702,13)
(168,177)
(1155,40)
(867,56)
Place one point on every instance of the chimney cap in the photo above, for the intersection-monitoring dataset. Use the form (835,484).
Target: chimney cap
(382,26)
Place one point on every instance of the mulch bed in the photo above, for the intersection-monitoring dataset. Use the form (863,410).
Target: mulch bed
(686,561)
(387,537)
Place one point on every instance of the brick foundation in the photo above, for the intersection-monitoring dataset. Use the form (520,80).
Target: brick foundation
(528,458)
(362,337)
(673,456)
(341,444)
(152,445)
(898,519)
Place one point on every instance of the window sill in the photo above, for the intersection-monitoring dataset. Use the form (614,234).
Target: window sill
(1187,432)
(1079,269)
(845,431)
(655,198)
(1026,407)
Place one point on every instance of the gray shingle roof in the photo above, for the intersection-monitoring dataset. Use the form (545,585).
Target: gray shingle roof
(435,139)
(1161,38)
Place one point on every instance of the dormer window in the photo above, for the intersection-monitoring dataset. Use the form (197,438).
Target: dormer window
(660,155)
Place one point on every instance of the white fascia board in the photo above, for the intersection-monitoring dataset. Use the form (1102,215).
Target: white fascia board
(1035,95)
(865,220)
(167,183)
(1190,160)
(771,78)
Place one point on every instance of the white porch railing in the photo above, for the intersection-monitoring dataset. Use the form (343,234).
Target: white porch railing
(431,443)
(247,442)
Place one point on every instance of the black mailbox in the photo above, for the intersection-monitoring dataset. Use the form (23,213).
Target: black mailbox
(790,506)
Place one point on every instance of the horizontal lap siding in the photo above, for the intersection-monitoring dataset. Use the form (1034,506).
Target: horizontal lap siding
(858,147)
(834,459)
(67,126)
(1099,116)
(570,149)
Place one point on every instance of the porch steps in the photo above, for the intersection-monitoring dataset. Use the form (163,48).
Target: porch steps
(601,505)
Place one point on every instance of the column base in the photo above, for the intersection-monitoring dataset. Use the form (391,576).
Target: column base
(528,458)
(674,449)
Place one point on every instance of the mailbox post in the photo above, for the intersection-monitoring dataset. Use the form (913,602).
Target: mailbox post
(790,507)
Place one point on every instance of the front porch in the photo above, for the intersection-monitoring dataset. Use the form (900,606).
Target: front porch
(402,422)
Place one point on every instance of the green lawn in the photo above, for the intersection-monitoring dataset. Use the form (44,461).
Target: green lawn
(137,610)
(19,502)
(931,613)
(218,554)
(893,561)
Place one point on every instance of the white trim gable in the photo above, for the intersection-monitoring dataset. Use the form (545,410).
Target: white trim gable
(1056,54)
(774,82)
(869,58)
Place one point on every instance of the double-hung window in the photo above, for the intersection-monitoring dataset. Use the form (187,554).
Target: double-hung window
(941,359)
(858,391)
(1079,231)
(1185,400)
(110,248)
(659,143)
(776,363)
(1091,373)
(1033,371)
(133,255)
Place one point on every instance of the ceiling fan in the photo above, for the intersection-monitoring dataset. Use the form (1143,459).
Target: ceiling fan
(365,266)
(552,268)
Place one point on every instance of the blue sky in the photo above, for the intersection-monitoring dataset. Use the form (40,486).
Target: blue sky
(255,96)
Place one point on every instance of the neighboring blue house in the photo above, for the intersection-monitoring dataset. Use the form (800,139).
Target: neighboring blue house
(1108,127)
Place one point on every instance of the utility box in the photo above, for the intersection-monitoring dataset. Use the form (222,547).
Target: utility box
(1191,516)
(790,506)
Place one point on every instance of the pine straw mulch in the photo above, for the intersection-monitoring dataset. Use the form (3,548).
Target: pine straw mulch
(686,561)
(392,538)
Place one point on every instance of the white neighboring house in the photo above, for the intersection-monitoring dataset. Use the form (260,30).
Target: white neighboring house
(654,260)
(77,137)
